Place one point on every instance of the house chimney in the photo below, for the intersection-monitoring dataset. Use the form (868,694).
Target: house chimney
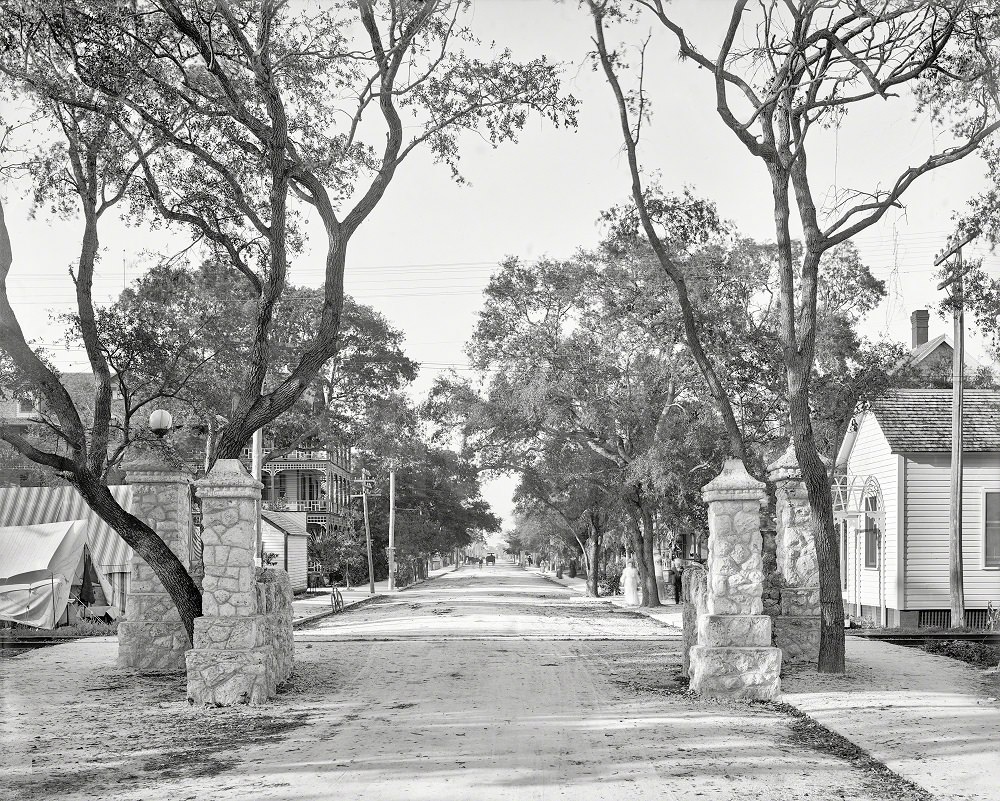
(918,321)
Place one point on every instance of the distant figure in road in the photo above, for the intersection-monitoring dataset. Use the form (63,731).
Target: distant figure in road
(480,563)
(529,560)
(630,584)
(677,571)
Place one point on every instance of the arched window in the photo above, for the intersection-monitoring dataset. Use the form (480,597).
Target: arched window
(874,522)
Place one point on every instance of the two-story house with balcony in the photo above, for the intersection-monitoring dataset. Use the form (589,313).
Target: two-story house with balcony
(314,480)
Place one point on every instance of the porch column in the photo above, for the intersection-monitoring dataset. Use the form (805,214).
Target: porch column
(796,629)
(152,637)
(734,657)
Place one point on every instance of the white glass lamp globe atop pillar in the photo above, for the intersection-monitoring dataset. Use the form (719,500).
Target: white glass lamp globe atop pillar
(160,422)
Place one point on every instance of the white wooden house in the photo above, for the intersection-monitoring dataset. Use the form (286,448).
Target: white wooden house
(286,537)
(892,502)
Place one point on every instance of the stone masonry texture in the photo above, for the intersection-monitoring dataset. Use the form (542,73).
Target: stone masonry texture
(733,658)
(152,638)
(796,631)
(694,585)
(771,597)
(243,644)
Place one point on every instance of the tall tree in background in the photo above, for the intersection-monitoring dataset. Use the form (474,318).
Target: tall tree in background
(237,122)
(576,492)
(783,68)
(180,335)
(438,500)
(568,369)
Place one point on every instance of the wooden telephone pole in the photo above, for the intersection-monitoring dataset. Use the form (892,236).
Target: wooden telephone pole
(366,483)
(391,550)
(954,280)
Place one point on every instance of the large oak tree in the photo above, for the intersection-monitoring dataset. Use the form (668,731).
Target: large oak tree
(236,122)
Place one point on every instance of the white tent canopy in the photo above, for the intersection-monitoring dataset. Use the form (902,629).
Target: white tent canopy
(38,565)
(30,506)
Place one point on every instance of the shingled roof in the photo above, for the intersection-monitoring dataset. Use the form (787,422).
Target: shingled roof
(919,420)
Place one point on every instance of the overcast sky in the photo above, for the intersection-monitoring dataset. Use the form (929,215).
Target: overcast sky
(428,250)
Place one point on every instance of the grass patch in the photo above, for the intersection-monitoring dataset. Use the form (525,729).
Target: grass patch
(917,630)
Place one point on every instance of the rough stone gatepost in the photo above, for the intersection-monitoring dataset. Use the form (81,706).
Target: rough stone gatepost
(796,629)
(243,642)
(772,579)
(694,591)
(152,637)
(734,657)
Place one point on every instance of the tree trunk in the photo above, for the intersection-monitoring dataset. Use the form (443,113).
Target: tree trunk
(635,540)
(642,548)
(650,592)
(797,333)
(147,544)
(817,481)
(594,545)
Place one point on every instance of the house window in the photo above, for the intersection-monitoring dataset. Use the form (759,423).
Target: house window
(26,406)
(872,533)
(991,530)
(310,487)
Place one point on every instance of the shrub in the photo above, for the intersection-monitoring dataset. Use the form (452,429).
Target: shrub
(90,627)
(609,580)
(975,653)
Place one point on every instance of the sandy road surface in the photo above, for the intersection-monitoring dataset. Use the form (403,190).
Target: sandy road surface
(491,684)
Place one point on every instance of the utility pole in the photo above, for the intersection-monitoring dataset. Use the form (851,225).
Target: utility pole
(391,550)
(956,581)
(365,482)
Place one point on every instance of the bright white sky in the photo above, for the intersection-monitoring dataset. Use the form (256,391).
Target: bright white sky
(426,253)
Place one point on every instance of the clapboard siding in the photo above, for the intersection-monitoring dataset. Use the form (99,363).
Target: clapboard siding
(297,559)
(274,542)
(871,456)
(928,499)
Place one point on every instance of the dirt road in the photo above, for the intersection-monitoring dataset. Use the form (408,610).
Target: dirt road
(483,684)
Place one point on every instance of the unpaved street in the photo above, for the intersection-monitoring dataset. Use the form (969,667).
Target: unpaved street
(482,684)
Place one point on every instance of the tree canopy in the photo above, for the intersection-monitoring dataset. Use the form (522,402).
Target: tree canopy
(234,124)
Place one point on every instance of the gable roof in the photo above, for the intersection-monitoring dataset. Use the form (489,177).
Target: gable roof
(292,523)
(922,352)
(919,420)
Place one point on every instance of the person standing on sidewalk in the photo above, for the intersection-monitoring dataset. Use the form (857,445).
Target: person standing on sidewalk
(676,571)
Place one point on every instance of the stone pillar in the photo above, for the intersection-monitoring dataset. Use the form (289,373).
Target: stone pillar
(694,586)
(772,580)
(734,657)
(233,660)
(152,638)
(796,630)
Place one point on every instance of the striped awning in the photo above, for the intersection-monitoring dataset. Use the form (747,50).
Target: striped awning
(27,506)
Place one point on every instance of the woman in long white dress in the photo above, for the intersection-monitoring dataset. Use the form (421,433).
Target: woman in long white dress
(630,584)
